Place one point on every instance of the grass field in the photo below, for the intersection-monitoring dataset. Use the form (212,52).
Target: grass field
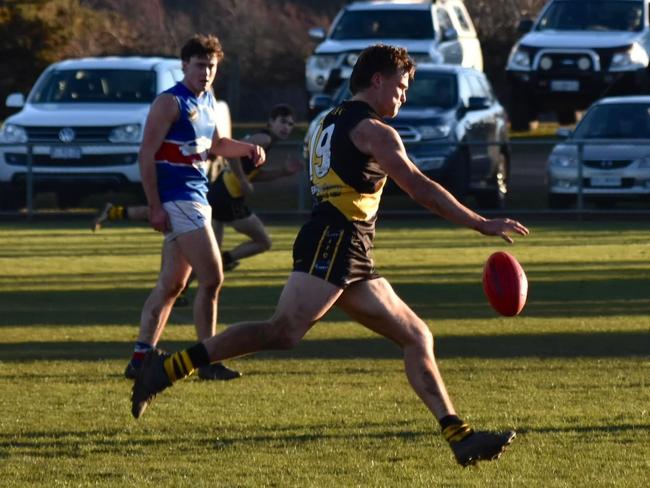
(571,374)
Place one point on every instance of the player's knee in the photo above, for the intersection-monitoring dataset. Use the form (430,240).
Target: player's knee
(281,334)
(421,337)
(265,243)
(171,289)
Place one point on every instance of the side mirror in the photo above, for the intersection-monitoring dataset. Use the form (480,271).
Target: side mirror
(316,33)
(525,25)
(15,100)
(318,103)
(478,103)
(450,34)
(564,132)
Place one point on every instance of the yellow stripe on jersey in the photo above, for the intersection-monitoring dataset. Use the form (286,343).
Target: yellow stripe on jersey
(354,205)
(232,183)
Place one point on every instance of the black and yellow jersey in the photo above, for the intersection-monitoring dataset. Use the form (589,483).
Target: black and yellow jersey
(228,180)
(344,181)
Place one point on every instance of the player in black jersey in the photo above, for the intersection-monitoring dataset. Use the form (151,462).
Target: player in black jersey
(351,154)
(227,194)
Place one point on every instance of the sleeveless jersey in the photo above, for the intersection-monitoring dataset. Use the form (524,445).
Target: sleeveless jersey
(230,181)
(181,160)
(344,181)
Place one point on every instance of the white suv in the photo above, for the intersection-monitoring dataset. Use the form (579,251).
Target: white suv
(83,122)
(432,31)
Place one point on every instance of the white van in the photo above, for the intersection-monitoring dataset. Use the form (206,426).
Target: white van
(83,121)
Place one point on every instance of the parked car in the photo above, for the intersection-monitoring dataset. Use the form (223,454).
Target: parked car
(432,31)
(83,120)
(576,52)
(454,129)
(615,160)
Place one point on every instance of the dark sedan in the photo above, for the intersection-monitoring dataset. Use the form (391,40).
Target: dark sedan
(454,129)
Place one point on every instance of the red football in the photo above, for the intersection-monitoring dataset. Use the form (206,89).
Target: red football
(505,284)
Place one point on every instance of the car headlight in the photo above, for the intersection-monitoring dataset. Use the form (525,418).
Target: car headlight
(635,57)
(125,133)
(563,161)
(434,131)
(322,61)
(519,59)
(11,133)
(644,163)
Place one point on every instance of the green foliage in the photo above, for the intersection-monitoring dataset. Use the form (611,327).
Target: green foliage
(570,374)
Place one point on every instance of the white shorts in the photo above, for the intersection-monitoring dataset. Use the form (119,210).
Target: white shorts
(186,216)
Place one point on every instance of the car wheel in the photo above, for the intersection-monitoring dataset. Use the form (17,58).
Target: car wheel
(559,201)
(495,196)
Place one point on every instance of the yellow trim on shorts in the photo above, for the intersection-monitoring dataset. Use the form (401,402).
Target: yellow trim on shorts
(336,250)
(320,244)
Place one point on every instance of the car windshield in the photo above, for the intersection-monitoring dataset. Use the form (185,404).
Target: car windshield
(593,15)
(427,90)
(615,121)
(96,86)
(384,24)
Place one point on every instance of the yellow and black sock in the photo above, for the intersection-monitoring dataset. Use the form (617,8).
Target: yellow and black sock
(181,364)
(117,212)
(454,429)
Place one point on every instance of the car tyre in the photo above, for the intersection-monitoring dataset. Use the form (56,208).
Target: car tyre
(566,116)
(10,198)
(521,112)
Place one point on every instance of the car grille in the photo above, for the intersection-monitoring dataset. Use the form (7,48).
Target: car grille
(608,163)
(43,160)
(407,133)
(567,63)
(625,183)
(82,134)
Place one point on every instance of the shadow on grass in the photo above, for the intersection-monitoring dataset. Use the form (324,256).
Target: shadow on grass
(611,295)
(563,345)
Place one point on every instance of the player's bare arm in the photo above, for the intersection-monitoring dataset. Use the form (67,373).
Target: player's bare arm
(164,111)
(231,148)
(381,141)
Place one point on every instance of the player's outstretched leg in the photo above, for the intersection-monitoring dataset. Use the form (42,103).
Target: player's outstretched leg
(101,217)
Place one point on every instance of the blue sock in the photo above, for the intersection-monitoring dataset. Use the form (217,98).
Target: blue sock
(141,348)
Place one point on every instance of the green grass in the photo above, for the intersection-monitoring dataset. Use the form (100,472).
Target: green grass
(570,374)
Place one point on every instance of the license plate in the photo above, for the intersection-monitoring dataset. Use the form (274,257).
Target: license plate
(65,152)
(565,85)
(606,181)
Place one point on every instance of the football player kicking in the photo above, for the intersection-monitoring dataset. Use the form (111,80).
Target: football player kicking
(352,153)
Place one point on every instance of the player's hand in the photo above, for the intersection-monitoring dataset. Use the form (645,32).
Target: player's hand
(293,165)
(159,219)
(257,155)
(502,228)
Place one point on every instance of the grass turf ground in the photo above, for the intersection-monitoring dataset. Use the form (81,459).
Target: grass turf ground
(570,374)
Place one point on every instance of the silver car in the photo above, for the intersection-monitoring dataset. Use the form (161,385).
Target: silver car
(614,139)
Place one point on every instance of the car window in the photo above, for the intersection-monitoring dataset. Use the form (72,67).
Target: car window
(96,86)
(464,91)
(598,15)
(462,19)
(384,24)
(432,90)
(487,88)
(615,121)
(444,22)
(476,88)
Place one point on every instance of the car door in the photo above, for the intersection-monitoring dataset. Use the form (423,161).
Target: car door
(449,47)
